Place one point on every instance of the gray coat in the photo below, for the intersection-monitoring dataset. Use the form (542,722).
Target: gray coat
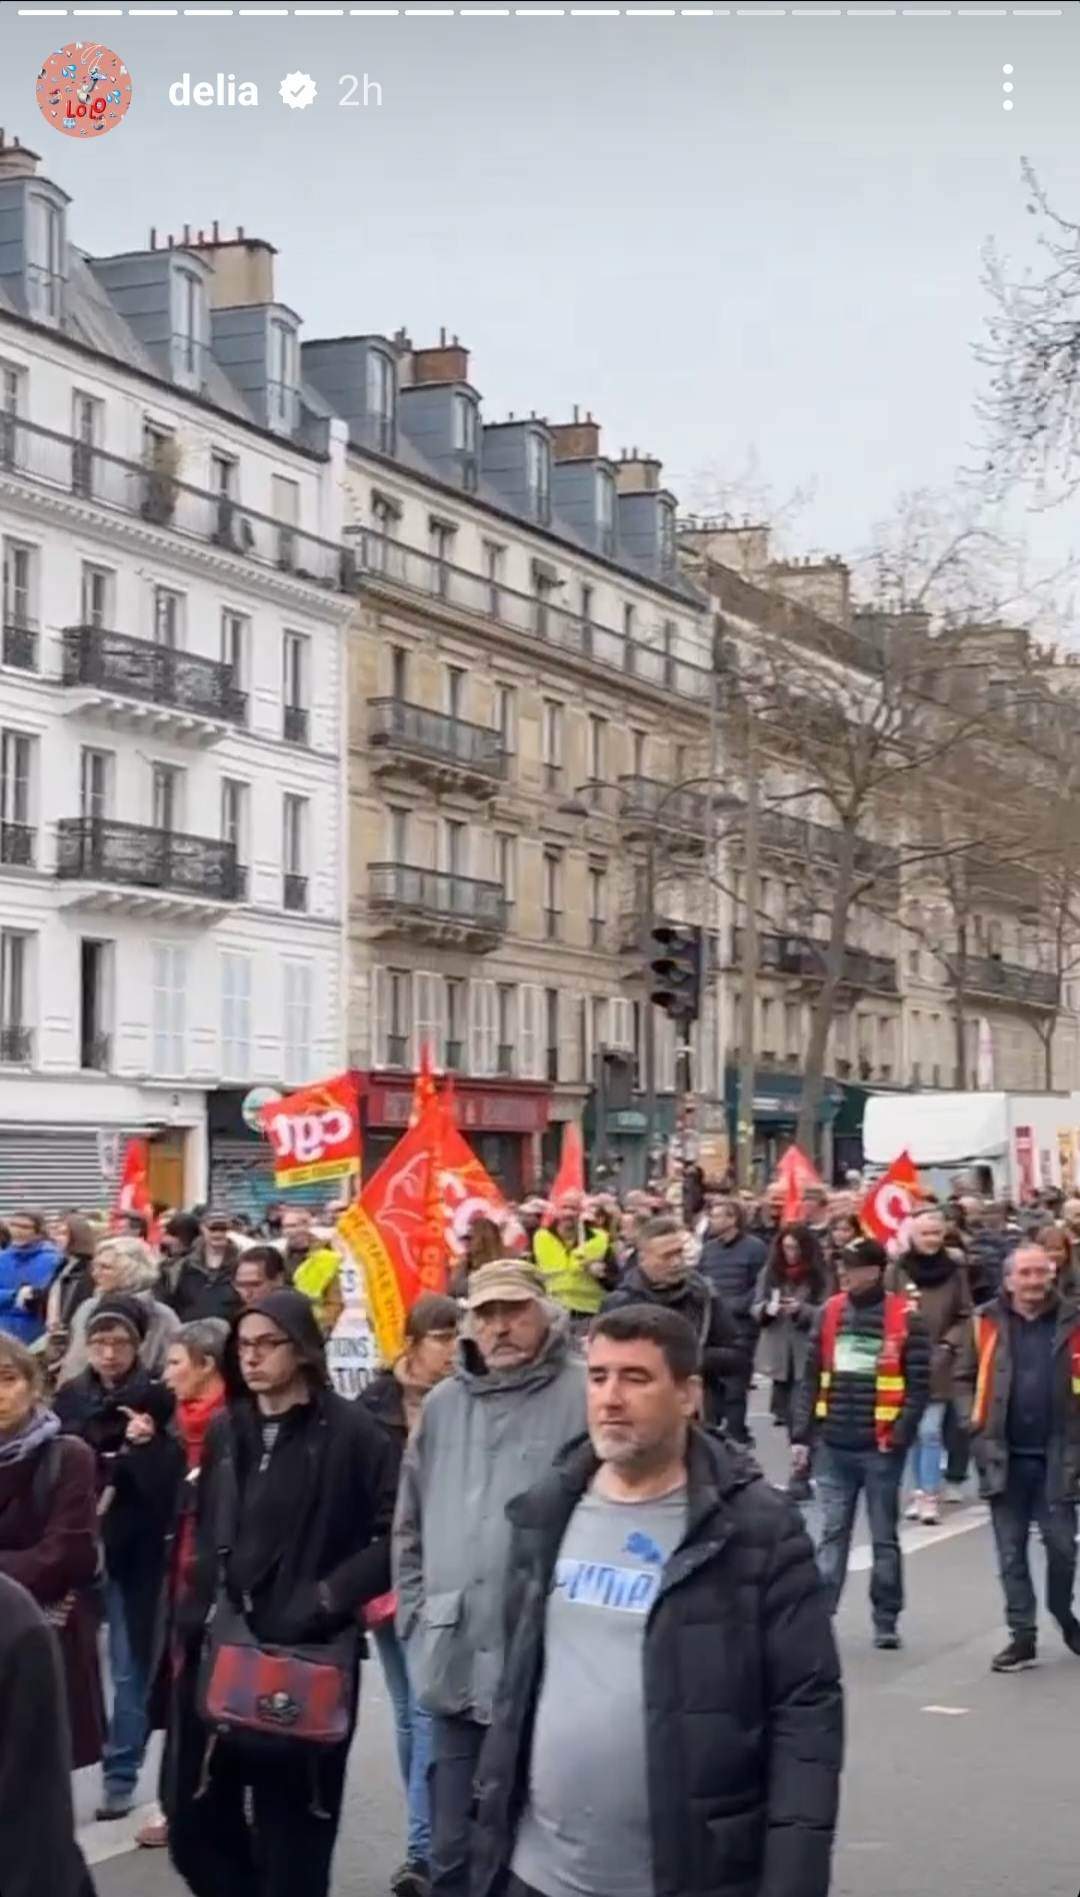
(482,1439)
(785,1341)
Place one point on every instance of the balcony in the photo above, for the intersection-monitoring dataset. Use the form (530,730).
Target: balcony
(20,644)
(813,842)
(295,724)
(380,562)
(16,1046)
(295,893)
(132,868)
(803,957)
(648,807)
(17,845)
(435,906)
(140,490)
(444,752)
(1011,981)
(150,688)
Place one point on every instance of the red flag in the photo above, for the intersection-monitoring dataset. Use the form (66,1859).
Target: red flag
(890,1201)
(133,1192)
(796,1172)
(571,1174)
(424,1085)
(315,1133)
(396,1230)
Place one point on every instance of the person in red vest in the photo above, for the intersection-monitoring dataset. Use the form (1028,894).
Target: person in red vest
(1024,1373)
(865,1386)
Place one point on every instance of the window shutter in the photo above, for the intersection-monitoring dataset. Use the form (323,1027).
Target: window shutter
(665,1054)
(429,1017)
(178,1010)
(476,1027)
(531,1002)
(379,1001)
(570,1038)
(621,1023)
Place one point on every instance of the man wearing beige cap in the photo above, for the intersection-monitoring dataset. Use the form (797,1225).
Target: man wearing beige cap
(492,1429)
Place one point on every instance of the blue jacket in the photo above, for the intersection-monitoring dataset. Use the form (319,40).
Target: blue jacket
(36,1265)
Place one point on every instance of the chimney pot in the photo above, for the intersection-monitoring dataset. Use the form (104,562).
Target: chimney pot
(215,229)
(170,240)
(239,233)
(187,233)
(575,411)
(442,337)
(153,238)
(15,142)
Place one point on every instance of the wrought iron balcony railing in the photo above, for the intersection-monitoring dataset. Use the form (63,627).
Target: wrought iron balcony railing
(398,725)
(95,1054)
(20,643)
(157,675)
(100,849)
(295,893)
(438,894)
(17,845)
(16,1046)
(295,724)
(648,800)
(987,975)
(804,956)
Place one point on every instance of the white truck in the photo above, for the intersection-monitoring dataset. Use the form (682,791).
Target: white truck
(1007,1144)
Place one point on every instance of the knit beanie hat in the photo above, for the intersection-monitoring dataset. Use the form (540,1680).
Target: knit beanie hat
(121,1310)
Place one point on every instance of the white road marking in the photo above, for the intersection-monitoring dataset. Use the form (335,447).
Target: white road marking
(949,1712)
(102,1841)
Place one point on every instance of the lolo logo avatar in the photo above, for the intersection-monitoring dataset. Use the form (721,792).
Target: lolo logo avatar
(84,89)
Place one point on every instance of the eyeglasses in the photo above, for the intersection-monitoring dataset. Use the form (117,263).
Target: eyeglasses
(258,1347)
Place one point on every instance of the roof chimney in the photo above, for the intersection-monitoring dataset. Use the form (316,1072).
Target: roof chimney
(153,237)
(638,474)
(576,440)
(448,363)
(16,161)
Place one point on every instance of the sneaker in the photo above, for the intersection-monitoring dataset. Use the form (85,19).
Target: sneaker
(954,1493)
(115,1805)
(411,1879)
(887,1639)
(913,1511)
(1070,1633)
(1019,1653)
(931,1511)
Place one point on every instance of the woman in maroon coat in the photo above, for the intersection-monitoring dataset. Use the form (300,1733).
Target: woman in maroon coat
(48,1533)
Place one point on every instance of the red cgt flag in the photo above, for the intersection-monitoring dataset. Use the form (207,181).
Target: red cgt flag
(797,1172)
(571,1174)
(315,1133)
(891,1200)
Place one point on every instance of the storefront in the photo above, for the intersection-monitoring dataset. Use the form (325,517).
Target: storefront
(502,1120)
(241,1163)
(777,1103)
(62,1142)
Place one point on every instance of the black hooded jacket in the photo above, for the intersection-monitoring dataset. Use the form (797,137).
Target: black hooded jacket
(698,1300)
(743,1702)
(310,1542)
(38,1853)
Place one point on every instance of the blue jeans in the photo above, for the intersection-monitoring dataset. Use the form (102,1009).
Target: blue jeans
(924,1462)
(412,1728)
(1023,1503)
(842,1474)
(125,1743)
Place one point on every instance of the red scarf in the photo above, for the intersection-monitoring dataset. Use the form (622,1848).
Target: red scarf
(194,1417)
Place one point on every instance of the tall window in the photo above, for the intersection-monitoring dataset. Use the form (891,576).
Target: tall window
(399,991)
(96,978)
(454,690)
(552,894)
(466,428)
(597,907)
(667,537)
(506,1017)
(605,512)
(294,850)
(538,473)
(597,754)
(637,743)
(16,764)
(295,665)
(399,672)
(457,1003)
(506,717)
(15,1036)
(629,622)
(552,743)
(96,777)
(12,406)
(281,391)
(545,588)
(299,985)
(20,626)
(494,564)
(397,825)
(86,432)
(441,537)
(169,976)
(168,608)
(455,847)
(235,1014)
(235,645)
(506,864)
(96,595)
(235,809)
(166,787)
(551,1034)
(586,603)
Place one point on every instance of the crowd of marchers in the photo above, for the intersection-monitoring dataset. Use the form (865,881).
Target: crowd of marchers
(606,1637)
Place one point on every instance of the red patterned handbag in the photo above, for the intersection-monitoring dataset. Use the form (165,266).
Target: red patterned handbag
(263,1695)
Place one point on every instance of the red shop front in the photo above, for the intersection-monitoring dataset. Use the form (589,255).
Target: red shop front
(503,1121)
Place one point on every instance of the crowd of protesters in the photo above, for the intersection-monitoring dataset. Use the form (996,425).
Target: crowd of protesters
(522,1517)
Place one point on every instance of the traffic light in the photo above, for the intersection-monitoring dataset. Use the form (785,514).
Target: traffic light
(676,970)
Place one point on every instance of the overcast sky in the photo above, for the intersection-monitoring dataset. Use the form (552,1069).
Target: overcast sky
(730,237)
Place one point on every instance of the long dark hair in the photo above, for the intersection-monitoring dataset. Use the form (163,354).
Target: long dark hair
(810,1252)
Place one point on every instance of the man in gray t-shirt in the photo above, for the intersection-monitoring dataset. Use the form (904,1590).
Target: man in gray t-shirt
(585,1827)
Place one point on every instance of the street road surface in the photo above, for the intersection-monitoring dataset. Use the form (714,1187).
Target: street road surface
(958,1783)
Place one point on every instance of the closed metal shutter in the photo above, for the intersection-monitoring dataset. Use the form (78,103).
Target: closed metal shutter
(50,1167)
(242,1180)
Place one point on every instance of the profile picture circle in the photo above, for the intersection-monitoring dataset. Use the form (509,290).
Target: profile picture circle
(84,89)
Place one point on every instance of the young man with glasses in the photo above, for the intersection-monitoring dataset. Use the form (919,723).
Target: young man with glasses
(308,1547)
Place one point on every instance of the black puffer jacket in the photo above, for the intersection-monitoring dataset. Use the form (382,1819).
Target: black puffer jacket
(694,1298)
(732,1267)
(850,1420)
(743,1702)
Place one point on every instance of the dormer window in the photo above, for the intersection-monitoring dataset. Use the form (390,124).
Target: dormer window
(381,393)
(44,258)
(465,436)
(605,511)
(190,322)
(667,537)
(538,465)
(281,386)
